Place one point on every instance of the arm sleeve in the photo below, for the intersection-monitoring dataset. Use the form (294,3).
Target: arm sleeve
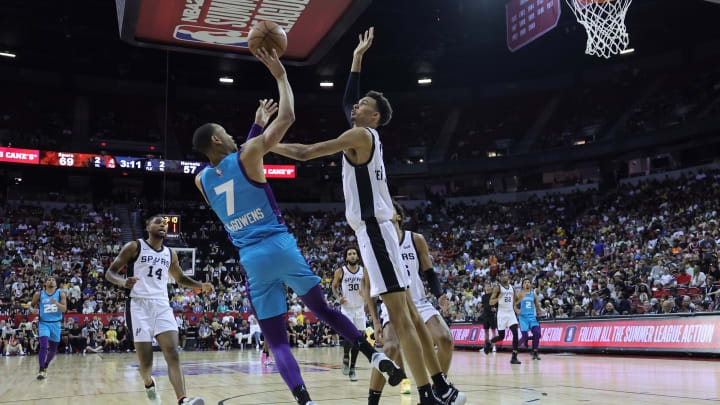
(255,130)
(352,94)
(433,282)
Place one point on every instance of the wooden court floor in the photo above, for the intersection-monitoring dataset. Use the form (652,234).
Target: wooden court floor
(237,378)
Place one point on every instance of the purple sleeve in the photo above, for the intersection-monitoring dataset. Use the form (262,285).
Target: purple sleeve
(255,130)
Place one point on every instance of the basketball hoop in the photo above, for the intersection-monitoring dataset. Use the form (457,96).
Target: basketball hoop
(604,21)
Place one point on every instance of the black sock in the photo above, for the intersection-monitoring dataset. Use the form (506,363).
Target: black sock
(365,348)
(426,395)
(301,395)
(353,356)
(152,384)
(346,351)
(181,399)
(374,397)
(441,384)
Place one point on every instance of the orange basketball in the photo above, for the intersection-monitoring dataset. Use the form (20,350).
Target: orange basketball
(268,35)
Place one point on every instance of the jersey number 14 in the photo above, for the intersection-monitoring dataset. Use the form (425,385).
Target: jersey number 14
(158,273)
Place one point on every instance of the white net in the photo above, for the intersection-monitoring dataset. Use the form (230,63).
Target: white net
(604,21)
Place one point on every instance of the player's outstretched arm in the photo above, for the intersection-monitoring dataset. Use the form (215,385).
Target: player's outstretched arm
(364,43)
(127,253)
(263,114)
(495,295)
(257,147)
(185,281)
(351,139)
(352,88)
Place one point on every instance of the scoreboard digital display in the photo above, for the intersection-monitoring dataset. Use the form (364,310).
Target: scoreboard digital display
(148,164)
(69,159)
(173,225)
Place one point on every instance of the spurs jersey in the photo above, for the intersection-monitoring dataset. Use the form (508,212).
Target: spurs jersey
(505,302)
(410,259)
(351,288)
(152,268)
(365,187)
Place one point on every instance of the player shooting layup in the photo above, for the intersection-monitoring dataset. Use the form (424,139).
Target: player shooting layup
(236,189)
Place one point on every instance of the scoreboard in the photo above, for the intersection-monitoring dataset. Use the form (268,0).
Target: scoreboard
(87,160)
(173,225)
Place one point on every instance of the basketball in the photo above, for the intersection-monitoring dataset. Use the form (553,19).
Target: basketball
(268,35)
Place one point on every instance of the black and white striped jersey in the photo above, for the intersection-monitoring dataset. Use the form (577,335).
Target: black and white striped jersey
(367,196)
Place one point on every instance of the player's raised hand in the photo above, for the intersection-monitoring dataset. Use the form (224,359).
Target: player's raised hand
(208,288)
(271,61)
(265,111)
(130,282)
(364,42)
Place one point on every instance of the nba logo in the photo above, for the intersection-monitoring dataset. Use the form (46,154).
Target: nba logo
(570,334)
(211,36)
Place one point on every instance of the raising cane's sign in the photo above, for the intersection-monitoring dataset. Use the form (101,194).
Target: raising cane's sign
(683,334)
(279,171)
(13,155)
(223,26)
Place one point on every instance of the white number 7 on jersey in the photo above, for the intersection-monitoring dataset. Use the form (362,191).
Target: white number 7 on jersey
(227,188)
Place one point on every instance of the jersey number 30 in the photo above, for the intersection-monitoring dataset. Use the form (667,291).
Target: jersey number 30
(158,273)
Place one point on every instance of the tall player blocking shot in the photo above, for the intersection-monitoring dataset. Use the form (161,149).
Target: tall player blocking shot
(369,210)
(236,189)
(148,313)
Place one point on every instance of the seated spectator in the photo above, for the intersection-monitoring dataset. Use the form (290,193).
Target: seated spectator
(13,347)
(77,342)
(111,340)
(610,310)
(255,331)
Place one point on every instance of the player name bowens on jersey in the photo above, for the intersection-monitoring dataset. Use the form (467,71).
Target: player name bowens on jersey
(245,220)
(154,260)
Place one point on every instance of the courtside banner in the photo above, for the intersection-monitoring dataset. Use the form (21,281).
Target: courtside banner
(223,26)
(279,171)
(27,156)
(695,334)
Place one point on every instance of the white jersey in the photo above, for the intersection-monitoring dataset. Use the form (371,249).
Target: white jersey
(351,288)
(505,301)
(152,268)
(410,259)
(365,187)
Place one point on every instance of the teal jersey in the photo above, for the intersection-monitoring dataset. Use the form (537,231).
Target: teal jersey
(247,209)
(527,305)
(49,312)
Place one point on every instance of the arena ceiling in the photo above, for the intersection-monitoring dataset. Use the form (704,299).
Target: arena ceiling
(457,42)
